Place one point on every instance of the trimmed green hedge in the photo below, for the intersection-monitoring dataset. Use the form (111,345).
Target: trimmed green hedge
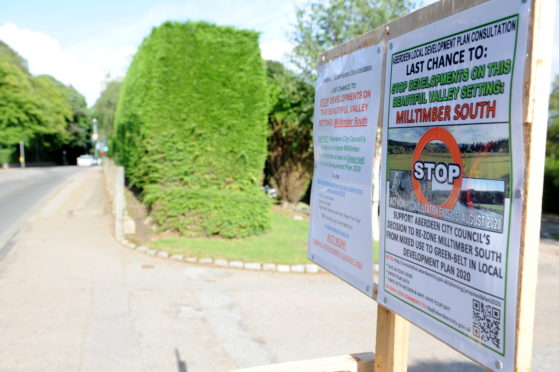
(211,211)
(191,120)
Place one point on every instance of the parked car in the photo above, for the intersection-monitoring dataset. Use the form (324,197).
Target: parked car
(87,160)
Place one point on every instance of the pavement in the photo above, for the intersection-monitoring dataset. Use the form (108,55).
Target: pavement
(73,299)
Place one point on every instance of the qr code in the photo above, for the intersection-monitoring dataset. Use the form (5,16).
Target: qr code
(487,323)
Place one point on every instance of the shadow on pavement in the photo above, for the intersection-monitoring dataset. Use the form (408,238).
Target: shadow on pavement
(550,227)
(181,364)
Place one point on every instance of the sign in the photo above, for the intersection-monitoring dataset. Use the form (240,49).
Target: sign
(345,126)
(452,174)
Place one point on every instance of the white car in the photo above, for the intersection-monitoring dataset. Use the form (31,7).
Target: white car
(86,160)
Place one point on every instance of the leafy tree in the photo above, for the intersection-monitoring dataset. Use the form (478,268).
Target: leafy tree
(55,110)
(19,115)
(79,125)
(290,157)
(105,107)
(551,172)
(321,25)
(552,148)
(39,110)
(8,54)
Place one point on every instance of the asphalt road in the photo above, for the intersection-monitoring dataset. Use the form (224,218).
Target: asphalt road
(21,190)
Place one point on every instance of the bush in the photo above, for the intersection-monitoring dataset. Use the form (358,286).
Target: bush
(290,155)
(551,186)
(191,130)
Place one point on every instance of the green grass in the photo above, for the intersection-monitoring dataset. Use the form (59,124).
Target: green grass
(284,243)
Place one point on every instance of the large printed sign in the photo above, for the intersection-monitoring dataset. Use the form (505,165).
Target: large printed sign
(345,125)
(453,165)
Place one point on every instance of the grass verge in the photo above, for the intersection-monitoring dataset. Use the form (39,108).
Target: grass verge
(284,243)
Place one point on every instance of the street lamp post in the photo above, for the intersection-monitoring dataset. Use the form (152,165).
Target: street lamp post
(94,137)
(21,154)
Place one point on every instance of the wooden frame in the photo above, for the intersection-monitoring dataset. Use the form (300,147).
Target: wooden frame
(362,362)
(536,97)
(392,330)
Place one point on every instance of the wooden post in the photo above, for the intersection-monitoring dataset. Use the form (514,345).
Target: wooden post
(536,96)
(392,342)
(362,362)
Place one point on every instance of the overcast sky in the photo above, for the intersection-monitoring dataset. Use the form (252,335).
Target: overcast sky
(81,42)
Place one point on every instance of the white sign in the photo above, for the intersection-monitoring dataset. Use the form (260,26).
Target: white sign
(345,125)
(452,171)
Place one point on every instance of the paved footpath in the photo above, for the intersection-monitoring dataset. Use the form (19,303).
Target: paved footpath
(72,299)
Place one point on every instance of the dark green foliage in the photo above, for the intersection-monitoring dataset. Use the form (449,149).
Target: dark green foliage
(79,124)
(290,156)
(552,149)
(551,186)
(551,175)
(191,120)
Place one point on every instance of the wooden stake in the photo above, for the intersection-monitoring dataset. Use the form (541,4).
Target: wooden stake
(536,97)
(392,342)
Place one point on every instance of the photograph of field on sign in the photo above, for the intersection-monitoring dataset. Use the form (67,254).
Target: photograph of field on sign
(483,167)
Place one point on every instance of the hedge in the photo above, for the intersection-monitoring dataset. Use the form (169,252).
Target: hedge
(191,130)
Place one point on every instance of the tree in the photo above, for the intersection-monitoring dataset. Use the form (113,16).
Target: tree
(19,115)
(322,25)
(551,175)
(105,107)
(38,110)
(552,148)
(290,157)
(9,55)
(55,110)
(79,125)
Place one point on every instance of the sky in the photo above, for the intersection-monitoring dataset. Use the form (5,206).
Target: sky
(85,42)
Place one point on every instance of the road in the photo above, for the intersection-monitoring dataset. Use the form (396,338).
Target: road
(20,191)
(72,299)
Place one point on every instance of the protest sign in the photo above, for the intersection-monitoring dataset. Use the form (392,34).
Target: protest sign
(345,126)
(452,173)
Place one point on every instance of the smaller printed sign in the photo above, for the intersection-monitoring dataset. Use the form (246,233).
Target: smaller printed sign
(345,125)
